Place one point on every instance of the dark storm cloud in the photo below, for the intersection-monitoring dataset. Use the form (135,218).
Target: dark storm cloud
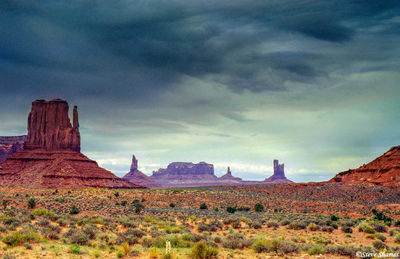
(156,42)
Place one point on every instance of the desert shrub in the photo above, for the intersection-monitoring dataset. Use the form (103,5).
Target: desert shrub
(31,203)
(75,249)
(313,227)
(202,251)
(243,209)
(79,238)
(380,228)
(203,227)
(234,241)
(272,224)
(255,225)
(53,235)
(9,255)
(229,220)
(297,225)
(42,212)
(316,250)
(263,246)
(90,231)
(284,222)
(274,245)
(203,206)
(343,250)
(147,242)
(172,205)
(28,246)
(381,237)
(130,236)
(217,240)
(43,222)
(236,224)
(74,210)
(62,222)
(379,245)
(347,229)
(397,238)
(20,237)
(258,207)
(328,229)
(334,218)
(393,231)
(231,209)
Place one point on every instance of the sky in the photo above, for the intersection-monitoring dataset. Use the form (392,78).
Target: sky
(315,84)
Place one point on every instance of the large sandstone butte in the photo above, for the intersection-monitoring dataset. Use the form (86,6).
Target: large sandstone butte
(384,170)
(137,177)
(10,145)
(51,157)
(186,174)
(279,174)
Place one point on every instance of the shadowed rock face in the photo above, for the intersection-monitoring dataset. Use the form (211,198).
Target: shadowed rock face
(51,157)
(49,127)
(384,170)
(10,145)
(137,177)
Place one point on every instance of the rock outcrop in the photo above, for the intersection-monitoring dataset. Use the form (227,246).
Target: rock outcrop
(384,171)
(137,177)
(51,157)
(49,127)
(10,145)
(186,174)
(279,174)
(229,178)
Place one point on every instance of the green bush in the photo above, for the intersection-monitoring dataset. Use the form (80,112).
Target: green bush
(20,237)
(75,249)
(258,207)
(231,209)
(203,206)
(316,250)
(31,203)
(202,251)
(74,210)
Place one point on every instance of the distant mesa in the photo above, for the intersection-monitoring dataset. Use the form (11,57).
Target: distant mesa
(51,157)
(185,174)
(10,145)
(279,174)
(137,177)
(384,171)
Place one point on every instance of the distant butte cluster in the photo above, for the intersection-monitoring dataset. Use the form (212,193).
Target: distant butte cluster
(49,157)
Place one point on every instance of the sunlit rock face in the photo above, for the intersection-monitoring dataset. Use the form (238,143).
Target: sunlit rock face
(384,170)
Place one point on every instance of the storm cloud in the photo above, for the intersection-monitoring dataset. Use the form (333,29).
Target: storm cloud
(313,83)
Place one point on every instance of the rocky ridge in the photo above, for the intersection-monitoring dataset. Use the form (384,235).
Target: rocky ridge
(384,171)
(10,145)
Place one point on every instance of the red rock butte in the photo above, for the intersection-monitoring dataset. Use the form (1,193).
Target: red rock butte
(51,157)
(384,171)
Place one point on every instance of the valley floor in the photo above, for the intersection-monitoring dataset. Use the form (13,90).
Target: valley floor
(261,221)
